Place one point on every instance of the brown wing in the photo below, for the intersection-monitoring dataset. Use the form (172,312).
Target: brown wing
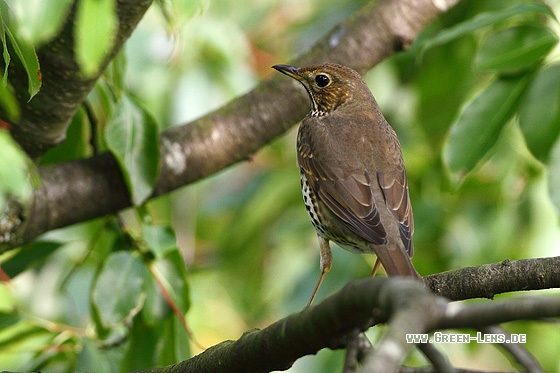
(349,196)
(395,190)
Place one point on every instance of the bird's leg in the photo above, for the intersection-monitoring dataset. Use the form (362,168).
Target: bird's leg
(326,263)
(375,267)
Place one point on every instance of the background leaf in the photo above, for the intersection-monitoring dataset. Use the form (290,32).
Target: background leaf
(32,254)
(132,137)
(554,174)
(9,103)
(118,290)
(539,112)
(168,272)
(478,126)
(515,49)
(39,20)
(14,169)
(486,19)
(76,145)
(96,25)
(23,49)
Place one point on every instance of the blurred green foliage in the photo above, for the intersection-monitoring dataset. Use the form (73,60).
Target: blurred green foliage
(476,104)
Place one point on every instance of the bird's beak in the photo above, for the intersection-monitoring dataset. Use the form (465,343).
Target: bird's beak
(291,71)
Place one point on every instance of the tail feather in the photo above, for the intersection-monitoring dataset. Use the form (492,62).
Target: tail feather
(396,261)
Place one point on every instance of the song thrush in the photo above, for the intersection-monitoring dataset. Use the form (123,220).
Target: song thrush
(353,177)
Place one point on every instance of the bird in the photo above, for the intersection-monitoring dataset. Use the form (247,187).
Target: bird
(352,171)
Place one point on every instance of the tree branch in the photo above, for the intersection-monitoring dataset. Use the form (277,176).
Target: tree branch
(519,353)
(404,319)
(45,119)
(438,360)
(487,280)
(228,135)
(404,303)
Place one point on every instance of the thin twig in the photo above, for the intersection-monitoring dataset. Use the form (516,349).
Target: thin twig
(438,360)
(517,351)
(357,349)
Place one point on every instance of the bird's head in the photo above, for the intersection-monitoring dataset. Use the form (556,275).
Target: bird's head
(329,86)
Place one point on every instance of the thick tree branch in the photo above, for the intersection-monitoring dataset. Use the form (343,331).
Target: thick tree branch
(405,319)
(45,119)
(230,134)
(409,309)
(403,303)
(487,280)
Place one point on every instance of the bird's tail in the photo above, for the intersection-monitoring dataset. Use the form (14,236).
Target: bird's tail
(395,261)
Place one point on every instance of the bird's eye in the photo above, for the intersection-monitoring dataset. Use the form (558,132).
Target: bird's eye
(322,80)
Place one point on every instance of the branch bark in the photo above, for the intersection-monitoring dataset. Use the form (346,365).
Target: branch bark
(487,280)
(404,303)
(45,119)
(224,137)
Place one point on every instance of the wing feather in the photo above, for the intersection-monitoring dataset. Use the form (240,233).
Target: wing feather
(395,190)
(348,196)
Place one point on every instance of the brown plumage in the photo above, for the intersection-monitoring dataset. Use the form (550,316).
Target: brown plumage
(352,171)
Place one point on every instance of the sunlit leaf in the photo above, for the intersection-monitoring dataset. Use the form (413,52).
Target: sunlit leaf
(132,137)
(9,103)
(23,49)
(115,73)
(40,20)
(14,166)
(118,290)
(479,124)
(515,48)
(177,12)
(95,29)
(539,112)
(5,53)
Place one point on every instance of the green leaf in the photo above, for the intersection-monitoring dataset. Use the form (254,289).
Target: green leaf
(177,13)
(77,143)
(160,239)
(5,53)
(479,124)
(539,112)
(150,345)
(24,50)
(142,351)
(91,358)
(132,137)
(515,49)
(117,294)
(167,272)
(14,168)
(40,20)
(484,20)
(96,26)
(115,73)
(554,174)
(178,343)
(29,256)
(9,103)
